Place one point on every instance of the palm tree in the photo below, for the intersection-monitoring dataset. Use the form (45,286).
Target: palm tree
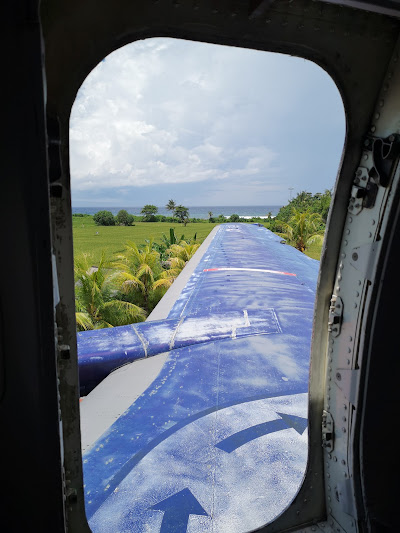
(210,214)
(303,229)
(140,275)
(96,304)
(183,250)
(182,213)
(179,255)
(171,205)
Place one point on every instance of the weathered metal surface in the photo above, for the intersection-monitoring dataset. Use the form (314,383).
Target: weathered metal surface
(218,441)
(226,305)
(101,351)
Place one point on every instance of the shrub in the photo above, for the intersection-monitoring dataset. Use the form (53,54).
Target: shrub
(123,218)
(104,218)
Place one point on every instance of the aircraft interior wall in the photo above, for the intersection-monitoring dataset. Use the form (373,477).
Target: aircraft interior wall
(50,47)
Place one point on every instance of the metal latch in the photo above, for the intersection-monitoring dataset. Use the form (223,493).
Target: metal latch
(384,155)
(364,191)
(327,431)
(335,315)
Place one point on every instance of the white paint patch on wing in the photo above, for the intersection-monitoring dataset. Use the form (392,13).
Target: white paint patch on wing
(193,328)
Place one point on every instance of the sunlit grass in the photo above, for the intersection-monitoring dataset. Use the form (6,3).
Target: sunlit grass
(92,239)
(314,251)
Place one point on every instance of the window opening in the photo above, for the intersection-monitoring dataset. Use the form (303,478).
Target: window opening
(206,429)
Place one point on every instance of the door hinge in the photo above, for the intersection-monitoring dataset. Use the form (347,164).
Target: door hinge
(335,315)
(327,431)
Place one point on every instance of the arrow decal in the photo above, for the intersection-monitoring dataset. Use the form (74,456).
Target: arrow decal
(286,421)
(177,509)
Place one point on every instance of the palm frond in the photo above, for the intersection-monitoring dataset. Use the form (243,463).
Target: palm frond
(132,284)
(145,273)
(119,313)
(83,321)
(164,283)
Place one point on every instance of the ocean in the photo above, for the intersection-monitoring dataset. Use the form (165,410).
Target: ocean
(201,211)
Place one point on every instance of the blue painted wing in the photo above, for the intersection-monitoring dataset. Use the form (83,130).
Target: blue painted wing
(222,427)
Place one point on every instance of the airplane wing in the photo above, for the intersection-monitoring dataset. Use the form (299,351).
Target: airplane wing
(206,429)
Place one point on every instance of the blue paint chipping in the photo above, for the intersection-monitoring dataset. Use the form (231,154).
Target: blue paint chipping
(237,341)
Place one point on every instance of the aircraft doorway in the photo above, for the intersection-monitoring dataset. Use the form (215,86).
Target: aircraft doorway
(214,127)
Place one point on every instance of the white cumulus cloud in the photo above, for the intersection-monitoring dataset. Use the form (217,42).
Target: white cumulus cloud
(164,111)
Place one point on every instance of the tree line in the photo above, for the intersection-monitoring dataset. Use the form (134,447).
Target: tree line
(149,212)
(179,212)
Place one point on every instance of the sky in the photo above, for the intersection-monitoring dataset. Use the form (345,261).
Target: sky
(203,124)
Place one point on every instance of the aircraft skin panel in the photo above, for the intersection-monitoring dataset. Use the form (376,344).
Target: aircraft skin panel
(225,287)
(229,250)
(218,441)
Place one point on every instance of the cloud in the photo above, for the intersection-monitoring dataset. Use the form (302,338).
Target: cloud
(164,111)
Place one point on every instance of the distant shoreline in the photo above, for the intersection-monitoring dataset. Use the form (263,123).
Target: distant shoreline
(200,212)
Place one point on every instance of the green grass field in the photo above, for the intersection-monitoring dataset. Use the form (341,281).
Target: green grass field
(93,240)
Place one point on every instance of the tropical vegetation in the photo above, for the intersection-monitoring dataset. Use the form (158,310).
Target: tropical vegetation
(139,275)
(179,255)
(149,211)
(170,205)
(182,214)
(303,229)
(123,218)
(306,201)
(97,303)
(127,287)
(121,274)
